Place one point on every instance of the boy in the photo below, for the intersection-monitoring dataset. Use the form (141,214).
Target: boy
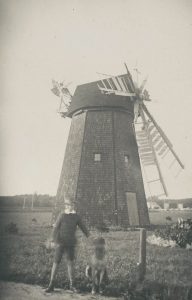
(64,237)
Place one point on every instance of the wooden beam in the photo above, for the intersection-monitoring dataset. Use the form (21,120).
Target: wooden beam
(142,255)
(116,92)
(130,79)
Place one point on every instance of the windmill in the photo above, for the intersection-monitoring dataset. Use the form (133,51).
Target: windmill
(101,172)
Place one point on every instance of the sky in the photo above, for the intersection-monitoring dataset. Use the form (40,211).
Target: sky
(41,40)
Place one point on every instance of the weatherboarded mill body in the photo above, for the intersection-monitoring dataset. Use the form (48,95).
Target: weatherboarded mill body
(101,171)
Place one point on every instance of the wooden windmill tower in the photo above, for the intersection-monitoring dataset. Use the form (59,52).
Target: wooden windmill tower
(101,171)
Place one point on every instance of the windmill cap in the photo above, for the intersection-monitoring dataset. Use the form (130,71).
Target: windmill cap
(88,96)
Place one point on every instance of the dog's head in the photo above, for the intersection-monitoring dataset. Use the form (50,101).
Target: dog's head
(99,244)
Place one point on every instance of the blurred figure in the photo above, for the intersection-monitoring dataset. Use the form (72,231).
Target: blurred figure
(96,271)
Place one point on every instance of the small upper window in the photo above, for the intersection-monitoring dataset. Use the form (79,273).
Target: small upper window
(97,157)
(126,159)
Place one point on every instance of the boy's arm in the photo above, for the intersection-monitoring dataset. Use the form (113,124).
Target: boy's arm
(83,227)
(56,228)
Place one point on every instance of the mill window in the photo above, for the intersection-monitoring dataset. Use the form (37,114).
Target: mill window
(127,159)
(97,157)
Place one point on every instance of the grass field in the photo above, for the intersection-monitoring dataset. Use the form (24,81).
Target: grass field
(24,258)
(159,217)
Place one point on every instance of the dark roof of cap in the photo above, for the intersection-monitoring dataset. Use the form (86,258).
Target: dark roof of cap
(89,96)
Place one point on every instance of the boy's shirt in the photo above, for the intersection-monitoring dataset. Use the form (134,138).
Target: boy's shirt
(65,229)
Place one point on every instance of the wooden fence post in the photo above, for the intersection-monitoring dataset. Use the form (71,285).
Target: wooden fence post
(142,254)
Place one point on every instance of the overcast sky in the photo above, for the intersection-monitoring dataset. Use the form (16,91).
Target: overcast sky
(72,40)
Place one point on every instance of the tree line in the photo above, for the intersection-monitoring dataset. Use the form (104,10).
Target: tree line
(27,200)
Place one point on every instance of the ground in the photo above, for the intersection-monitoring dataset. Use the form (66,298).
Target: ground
(23,291)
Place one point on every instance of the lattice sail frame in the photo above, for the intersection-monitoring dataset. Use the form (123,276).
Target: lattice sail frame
(118,85)
(152,141)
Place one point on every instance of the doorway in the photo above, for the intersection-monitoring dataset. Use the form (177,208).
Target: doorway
(132,208)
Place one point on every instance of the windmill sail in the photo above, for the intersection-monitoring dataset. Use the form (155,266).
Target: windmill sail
(153,145)
(165,143)
(148,155)
(130,80)
(61,91)
(118,85)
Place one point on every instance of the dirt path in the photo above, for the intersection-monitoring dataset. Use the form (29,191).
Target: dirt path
(21,291)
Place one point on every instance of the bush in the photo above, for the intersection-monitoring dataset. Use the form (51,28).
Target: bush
(102,227)
(181,233)
(11,228)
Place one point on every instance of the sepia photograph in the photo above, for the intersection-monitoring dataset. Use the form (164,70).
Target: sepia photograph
(96,143)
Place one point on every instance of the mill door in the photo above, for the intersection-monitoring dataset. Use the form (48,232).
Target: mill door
(132,208)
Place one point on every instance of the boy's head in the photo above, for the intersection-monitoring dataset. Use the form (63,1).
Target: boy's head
(69,206)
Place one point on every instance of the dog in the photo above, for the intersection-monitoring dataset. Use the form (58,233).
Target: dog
(96,271)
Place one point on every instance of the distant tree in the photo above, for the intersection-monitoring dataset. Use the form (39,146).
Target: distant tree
(18,200)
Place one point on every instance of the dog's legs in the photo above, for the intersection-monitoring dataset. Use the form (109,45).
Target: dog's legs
(106,278)
(101,281)
(88,272)
(94,279)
